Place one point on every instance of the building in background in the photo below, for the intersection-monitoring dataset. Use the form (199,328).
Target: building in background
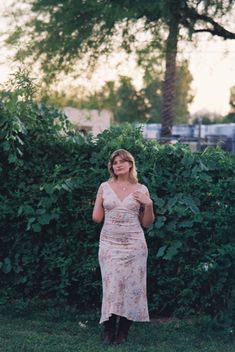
(89,121)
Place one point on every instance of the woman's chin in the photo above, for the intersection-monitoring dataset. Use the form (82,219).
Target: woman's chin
(121,173)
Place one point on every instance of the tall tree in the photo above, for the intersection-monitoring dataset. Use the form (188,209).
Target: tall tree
(62,31)
(184,94)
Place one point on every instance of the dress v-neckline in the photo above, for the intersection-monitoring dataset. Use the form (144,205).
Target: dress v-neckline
(120,200)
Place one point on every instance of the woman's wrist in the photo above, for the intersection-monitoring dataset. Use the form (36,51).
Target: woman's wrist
(149,204)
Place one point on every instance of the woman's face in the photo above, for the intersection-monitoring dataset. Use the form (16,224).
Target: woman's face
(121,166)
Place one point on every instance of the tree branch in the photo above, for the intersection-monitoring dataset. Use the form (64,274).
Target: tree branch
(216,29)
(214,32)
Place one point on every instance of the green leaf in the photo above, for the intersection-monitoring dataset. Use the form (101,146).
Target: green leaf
(160,222)
(7,266)
(172,225)
(19,151)
(30,222)
(12,158)
(19,140)
(65,187)
(173,201)
(203,166)
(36,228)
(161,251)
(188,200)
(194,208)
(23,279)
(159,202)
(188,160)
(6,146)
(48,188)
(172,250)
(186,223)
(44,219)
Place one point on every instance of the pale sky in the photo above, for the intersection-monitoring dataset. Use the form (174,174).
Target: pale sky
(212,64)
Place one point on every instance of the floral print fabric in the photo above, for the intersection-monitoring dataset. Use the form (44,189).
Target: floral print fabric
(123,258)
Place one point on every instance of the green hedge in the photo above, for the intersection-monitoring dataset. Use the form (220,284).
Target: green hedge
(48,181)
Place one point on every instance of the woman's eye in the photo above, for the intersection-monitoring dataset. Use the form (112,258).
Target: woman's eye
(119,162)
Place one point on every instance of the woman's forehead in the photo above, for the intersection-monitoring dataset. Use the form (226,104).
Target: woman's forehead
(119,157)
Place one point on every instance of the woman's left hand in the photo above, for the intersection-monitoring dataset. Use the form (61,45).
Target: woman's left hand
(142,198)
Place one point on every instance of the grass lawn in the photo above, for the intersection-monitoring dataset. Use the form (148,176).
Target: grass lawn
(57,331)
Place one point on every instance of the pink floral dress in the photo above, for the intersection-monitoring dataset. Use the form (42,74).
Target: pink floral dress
(123,258)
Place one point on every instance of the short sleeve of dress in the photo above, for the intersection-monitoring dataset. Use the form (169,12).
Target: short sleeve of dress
(103,185)
(144,189)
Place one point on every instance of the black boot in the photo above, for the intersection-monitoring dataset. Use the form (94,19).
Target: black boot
(109,330)
(123,329)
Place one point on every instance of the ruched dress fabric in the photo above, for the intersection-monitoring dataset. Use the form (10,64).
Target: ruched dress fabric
(123,258)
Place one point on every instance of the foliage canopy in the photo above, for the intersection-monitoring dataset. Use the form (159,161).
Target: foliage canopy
(63,31)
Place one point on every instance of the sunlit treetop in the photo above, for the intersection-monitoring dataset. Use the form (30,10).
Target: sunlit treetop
(59,33)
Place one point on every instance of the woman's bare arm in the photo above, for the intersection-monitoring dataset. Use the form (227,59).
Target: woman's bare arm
(147,216)
(98,210)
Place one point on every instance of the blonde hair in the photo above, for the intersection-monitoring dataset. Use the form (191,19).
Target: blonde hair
(127,156)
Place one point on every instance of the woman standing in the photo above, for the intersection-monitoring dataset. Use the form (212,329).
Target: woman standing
(125,205)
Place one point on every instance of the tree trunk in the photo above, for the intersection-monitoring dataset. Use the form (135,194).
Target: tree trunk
(169,87)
